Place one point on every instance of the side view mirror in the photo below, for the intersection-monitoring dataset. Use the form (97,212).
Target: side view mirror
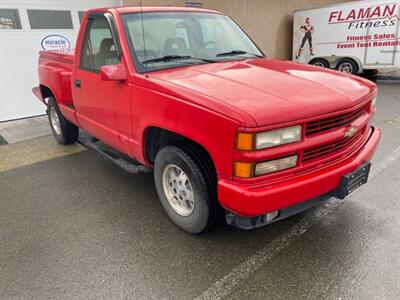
(113,72)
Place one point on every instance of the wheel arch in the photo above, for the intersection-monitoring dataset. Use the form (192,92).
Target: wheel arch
(155,138)
(46,92)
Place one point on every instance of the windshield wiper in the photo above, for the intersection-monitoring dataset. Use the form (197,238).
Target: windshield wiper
(167,58)
(237,52)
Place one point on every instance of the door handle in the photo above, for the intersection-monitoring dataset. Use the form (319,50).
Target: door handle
(77,83)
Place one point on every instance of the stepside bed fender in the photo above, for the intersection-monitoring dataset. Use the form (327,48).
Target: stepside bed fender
(58,82)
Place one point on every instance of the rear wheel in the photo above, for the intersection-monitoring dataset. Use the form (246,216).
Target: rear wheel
(347,65)
(64,131)
(183,187)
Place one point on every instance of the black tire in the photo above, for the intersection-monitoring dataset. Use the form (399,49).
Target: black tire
(347,65)
(203,216)
(320,62)
(67,133)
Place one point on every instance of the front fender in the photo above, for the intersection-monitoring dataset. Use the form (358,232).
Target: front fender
(215,132)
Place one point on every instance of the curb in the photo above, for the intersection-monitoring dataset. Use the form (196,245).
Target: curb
(2,140)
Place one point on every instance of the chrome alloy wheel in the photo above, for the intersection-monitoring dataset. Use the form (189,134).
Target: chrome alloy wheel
(346,68)
(178,190)
(55,121)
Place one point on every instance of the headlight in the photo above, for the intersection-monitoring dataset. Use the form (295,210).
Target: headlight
(278,137)
(275,165)
(373,102)
(256,141)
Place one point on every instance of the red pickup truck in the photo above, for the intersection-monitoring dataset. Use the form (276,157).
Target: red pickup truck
(185,91)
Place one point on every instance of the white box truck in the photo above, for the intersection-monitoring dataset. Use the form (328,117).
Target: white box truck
(352,37)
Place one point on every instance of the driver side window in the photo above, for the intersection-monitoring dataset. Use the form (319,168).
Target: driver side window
(98,47)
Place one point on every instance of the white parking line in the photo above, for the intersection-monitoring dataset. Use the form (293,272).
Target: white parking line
(227,284)
(383,164)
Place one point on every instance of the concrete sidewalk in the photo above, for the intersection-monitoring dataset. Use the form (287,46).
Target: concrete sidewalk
(24,129)
(32,151)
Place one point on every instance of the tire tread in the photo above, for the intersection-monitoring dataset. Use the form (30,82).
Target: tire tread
(69,131)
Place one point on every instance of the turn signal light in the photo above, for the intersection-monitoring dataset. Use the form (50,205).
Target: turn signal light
(243,170)
(245,141)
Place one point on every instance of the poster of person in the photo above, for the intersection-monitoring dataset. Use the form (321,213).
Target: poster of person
(303,38)
(307,29)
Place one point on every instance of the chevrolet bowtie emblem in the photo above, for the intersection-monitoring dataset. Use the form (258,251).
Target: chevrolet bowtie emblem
(350,132)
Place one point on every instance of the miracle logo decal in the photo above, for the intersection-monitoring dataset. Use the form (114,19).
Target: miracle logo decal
(55,42)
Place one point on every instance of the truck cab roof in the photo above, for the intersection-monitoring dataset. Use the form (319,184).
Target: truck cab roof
(138,9)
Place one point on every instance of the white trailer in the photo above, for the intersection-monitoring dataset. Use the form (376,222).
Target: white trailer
(351,37)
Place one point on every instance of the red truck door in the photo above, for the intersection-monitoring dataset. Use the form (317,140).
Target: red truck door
(103,107)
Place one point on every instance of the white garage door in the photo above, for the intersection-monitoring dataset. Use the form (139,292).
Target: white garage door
(26,26)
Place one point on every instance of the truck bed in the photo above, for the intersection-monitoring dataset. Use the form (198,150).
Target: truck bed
(66,57)
(55,69)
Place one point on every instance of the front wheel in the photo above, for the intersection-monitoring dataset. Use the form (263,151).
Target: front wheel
(319,62)
(64,131)
(184,190)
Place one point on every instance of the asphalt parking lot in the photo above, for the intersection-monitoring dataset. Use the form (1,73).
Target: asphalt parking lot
(73,225)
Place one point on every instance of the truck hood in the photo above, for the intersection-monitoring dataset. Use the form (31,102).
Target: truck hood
(271,91)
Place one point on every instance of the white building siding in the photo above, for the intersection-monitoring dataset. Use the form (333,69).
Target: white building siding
(19,53)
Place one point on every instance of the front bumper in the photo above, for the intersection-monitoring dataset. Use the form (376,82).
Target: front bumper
(252,201)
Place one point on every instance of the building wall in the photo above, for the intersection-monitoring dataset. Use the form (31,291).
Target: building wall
(19,50)
(268,22)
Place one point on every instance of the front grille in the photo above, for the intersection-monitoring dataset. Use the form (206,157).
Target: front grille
(321,125)
(333,147)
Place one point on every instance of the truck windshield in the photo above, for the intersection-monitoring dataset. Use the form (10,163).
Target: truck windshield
(161,40)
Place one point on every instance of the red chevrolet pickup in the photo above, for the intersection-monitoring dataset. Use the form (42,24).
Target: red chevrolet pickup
(186,92)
